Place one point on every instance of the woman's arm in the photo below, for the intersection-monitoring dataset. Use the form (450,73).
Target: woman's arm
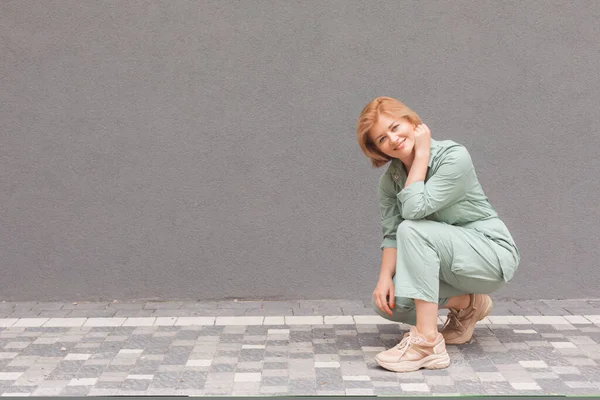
(390,212)
(418,169)
(390,219)
(446,186)
(383,294)
(388,262)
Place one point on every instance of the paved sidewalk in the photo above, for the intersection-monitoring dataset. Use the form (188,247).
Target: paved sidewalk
(285,348)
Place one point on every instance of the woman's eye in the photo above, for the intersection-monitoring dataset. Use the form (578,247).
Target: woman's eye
(382,139)
(394,128)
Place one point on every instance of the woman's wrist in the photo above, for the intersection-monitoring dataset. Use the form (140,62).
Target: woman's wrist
(422,153)
(386,274)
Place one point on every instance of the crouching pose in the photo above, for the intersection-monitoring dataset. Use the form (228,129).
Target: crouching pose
(444,246)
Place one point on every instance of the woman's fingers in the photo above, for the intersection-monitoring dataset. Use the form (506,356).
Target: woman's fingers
(386,307)
(377,303)
(421,130)
(381,303)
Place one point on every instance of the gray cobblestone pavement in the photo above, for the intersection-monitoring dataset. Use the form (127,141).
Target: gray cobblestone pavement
(286,348)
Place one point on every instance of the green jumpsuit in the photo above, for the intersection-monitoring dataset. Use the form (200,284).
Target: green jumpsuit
(449,239)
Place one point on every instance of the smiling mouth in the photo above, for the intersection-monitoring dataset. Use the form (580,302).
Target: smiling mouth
(400,145)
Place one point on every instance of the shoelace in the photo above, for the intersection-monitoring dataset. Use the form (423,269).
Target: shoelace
(452,321)
(406,341)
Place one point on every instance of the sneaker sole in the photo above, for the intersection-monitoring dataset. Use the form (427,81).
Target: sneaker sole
(465,338)
(434,361)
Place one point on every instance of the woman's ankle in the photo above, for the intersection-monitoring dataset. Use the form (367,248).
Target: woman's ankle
(429,334)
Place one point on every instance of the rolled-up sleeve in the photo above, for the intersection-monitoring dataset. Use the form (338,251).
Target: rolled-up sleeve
(390,212)
(446,186)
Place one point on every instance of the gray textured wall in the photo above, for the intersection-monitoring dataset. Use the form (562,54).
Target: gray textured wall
(198,150)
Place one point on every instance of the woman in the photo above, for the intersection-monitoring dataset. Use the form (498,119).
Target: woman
(443,243)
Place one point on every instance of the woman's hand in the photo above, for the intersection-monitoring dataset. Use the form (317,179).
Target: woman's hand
(384,290)
(422,140)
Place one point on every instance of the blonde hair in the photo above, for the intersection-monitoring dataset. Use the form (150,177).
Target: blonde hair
(368,117)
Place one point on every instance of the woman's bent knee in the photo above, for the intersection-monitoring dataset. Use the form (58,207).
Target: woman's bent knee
(414,227)
(403,311)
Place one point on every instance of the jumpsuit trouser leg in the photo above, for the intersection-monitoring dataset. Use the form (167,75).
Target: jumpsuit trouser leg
(436,261)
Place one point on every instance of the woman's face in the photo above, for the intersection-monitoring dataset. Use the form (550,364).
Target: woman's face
(394,137)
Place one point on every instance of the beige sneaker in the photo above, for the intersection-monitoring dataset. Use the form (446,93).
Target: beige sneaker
(460,324)
(415,352)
